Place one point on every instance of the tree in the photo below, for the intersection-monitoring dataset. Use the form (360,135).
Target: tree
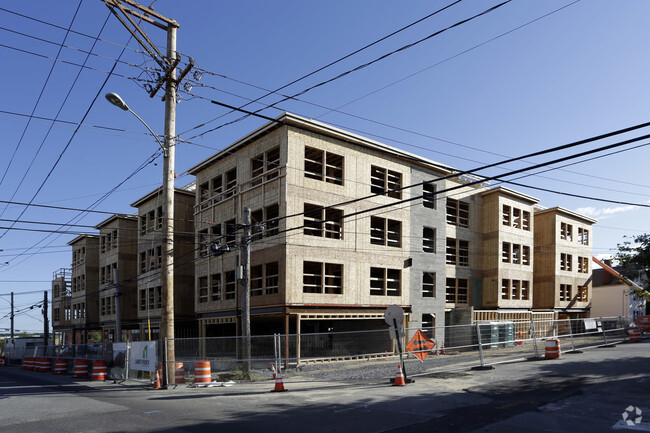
(634,253)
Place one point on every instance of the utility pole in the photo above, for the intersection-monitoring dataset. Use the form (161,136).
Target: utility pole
(246,290)
(12,316)
(168,64)
(46,322)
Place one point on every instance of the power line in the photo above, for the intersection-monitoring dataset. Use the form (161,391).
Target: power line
(448,59)
(47,134)
(70,30)
(335,61)
(365,65)
(38,100)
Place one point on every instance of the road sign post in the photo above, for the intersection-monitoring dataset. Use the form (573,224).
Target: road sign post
(393,317)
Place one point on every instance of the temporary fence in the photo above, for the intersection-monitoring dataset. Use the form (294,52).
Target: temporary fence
(480,344)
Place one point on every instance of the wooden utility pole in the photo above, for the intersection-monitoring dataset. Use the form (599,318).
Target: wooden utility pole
(246,290)
(46,322)
(125,11)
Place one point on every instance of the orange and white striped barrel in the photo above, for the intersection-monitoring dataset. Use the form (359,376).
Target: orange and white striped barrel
(46,364)
(3,361)
(80,368)
(202,373)
(552,348)
(99,370)
(635,334)
(28,363)
(179,376)
(60,366)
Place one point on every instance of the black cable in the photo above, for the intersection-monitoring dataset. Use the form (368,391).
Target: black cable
(58,113)
(334,62)
(38,100)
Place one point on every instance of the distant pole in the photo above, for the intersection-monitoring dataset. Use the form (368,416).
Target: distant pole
(46,322)
(12,316)
(246,289)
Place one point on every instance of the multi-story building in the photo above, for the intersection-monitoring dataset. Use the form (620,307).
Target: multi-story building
(563,270)
(506,254)
(341,227)
(61,306)
(118,257)
(149,288)
(352,225)
(84,287)
(333,252)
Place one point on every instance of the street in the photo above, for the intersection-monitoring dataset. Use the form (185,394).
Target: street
(586,392)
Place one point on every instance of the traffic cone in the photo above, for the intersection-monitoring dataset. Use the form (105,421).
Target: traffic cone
(273,370)
(156,381)
(442,348)
(399,379)
(279,385)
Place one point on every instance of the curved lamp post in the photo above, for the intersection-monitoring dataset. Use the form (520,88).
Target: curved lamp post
(167,262)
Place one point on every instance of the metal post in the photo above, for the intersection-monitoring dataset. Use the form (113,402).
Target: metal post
(480,351)
(12,316)
(246,291)
(46,322)
(167,265)
(534,336)
(480,344)
(398,338)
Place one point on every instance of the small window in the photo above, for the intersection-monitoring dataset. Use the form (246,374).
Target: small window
(428,240)
(231,182)
(505,252)
(231,285)
(215,289)
(428,285)
(383,181)
(314,163)
(429,195)
(506,215)
(257,280)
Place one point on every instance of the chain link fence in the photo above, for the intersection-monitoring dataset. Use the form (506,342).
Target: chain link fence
(480,344)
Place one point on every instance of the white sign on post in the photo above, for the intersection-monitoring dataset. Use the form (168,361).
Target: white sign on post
(394,314)
(143,356)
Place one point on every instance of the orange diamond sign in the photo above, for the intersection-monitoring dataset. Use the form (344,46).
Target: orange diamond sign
(420,345)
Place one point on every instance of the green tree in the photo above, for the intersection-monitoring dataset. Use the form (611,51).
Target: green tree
(634,253)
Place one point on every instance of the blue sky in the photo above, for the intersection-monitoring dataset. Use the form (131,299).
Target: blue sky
(525,77)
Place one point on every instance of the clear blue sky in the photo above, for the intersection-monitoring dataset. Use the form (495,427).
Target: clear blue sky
(527,76)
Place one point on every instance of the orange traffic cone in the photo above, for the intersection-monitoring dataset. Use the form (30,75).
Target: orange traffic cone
(279,385)
(399,379)
(156,381)
(442,348)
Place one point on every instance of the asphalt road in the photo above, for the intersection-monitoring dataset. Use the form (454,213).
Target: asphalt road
(587,392)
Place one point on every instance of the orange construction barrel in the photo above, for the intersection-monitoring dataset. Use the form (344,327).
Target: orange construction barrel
(179,376)
(3,361)
(99,370)
(60,366)
(552,348)
(635,334)
(80,368)
(44,365)
(202,373)
(27,363)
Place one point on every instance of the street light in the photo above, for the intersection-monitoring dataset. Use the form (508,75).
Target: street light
(116,100)
(167,262)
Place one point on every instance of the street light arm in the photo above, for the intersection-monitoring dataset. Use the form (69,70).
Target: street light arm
(116,100)
(162,146)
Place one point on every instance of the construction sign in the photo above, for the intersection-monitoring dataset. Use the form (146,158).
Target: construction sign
(420,345)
